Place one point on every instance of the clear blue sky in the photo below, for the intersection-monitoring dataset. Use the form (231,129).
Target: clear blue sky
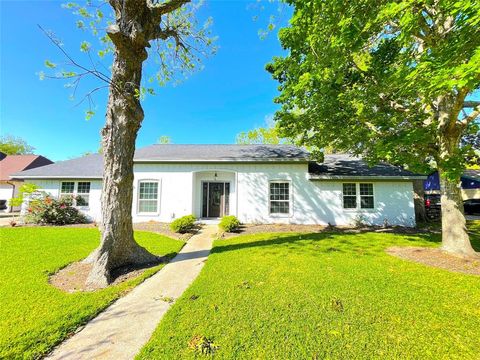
(232,93)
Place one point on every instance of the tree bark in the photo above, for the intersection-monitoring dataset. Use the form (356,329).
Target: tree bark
(123,120)
(455,239)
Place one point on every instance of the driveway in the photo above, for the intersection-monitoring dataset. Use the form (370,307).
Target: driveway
(5,219)
(472,217)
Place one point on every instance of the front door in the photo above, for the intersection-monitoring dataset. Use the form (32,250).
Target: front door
(215,199)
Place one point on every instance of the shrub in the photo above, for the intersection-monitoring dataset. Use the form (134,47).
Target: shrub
(229,223)
(183,224)
(47,210)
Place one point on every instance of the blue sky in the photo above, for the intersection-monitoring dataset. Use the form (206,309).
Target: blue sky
(232,93)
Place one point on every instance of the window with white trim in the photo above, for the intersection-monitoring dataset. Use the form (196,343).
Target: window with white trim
(83,193)
(366,196)
(358,195)
(280,197)
(79,191)
(349,196)
(67,188)
(148,197)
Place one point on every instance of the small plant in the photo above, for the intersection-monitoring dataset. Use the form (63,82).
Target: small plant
(360,221)
(183,224)
(385,223)
(337,304)
(229,223)
(167,299)
(47,210)
(202,345)
(244,285)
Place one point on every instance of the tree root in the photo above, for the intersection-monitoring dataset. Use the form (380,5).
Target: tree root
(105,263)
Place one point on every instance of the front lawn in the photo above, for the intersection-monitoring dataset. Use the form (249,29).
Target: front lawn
(315,296)
(34,316)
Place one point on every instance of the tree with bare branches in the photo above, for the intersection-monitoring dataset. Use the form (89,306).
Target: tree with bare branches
(138,29)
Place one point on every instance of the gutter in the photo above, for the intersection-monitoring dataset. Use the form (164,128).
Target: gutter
(46,177)
(314,177)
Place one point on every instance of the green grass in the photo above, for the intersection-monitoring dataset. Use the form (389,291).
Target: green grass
(328,295)
(34,316)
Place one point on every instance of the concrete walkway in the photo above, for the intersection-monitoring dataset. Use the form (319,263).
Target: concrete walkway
(122,329)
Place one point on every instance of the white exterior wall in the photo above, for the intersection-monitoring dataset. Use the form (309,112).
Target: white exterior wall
(6,192)
(313,202)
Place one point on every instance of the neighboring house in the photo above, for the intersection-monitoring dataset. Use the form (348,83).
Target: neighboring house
(470,183)
(10,164)
(256,183)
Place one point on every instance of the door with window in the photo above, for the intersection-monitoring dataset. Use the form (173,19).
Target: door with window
(215,199)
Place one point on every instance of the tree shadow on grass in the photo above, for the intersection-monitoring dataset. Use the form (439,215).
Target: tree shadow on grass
(329,242)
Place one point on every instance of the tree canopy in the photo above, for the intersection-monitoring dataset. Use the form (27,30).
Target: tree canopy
(370,77)
(269,134)
(12,145)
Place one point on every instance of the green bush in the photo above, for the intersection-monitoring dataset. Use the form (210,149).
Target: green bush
(229,223)
(47,210)
(183,224)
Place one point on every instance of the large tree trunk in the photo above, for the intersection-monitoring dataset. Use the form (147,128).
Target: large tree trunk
(123,120)
(455,237)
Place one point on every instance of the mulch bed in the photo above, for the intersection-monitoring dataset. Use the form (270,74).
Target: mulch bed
(73,277)
(246,229)
(437,258)
(153,226)
(164,229)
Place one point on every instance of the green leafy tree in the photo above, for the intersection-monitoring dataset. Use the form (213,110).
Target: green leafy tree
(262,135)
(135,31)
(164,139)
(12,145)
(390,80)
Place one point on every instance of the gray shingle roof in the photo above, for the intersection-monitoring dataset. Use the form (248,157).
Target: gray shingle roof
(344,166)
(334,166)
(91,166)
(189,153)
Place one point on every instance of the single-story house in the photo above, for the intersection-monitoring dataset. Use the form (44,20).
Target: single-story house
(470,184)
(256,183)
(10,164)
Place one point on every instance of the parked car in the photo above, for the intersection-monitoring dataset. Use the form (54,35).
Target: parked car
(472,206)
(432,206)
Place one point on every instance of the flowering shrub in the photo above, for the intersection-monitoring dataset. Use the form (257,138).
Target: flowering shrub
(47,210)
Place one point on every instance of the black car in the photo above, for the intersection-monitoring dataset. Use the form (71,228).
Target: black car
(472,206)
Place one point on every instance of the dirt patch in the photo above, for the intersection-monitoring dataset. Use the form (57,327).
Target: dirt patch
(437,258)
(246,229)
(73,277)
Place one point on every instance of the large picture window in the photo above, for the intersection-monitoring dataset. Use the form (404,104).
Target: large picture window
(80,191)
(148,197)
(358,195)
(280,197)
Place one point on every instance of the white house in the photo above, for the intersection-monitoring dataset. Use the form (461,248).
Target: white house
(256,183)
